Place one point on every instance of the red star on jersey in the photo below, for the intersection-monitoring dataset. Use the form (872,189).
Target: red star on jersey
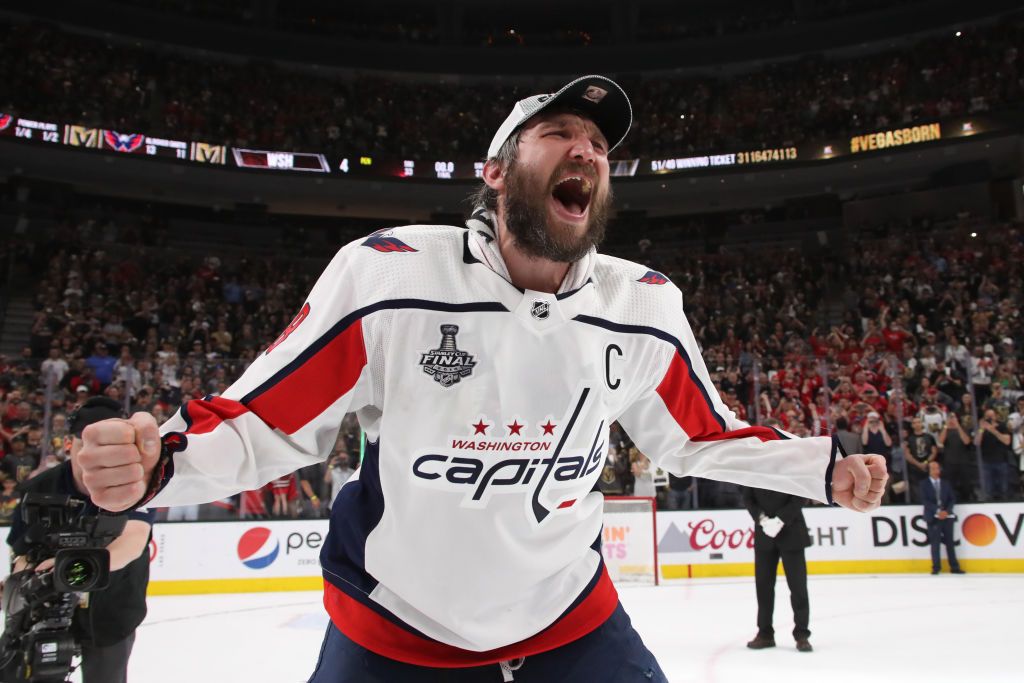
(548,428)
(480,427)
(514,428)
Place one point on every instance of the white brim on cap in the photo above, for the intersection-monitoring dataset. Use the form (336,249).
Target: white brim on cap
(598,97)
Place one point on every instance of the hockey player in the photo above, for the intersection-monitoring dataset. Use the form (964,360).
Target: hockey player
(485,365)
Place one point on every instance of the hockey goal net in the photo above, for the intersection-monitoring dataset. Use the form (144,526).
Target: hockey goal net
(629,540)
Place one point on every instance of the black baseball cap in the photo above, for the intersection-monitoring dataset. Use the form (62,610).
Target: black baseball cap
(95,409)
(598,97)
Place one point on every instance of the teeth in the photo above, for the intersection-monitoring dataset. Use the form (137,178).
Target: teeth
(585,184)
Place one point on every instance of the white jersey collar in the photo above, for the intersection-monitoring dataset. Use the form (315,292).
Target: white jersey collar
(483,244)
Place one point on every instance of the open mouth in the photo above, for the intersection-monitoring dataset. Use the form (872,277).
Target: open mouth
(572,194)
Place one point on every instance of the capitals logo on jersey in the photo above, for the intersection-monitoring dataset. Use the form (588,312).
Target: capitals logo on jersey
(550,474)
(653,277)
(381,241)
(447,364)
(123,142)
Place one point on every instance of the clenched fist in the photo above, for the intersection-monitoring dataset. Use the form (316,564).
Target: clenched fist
(116,460)
(858,482)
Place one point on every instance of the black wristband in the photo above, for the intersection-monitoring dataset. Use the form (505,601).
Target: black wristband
(170,443)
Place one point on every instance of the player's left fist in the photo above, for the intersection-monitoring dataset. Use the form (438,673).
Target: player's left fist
(116,460)
(858,482)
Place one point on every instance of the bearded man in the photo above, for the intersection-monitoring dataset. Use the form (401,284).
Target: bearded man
(485,366)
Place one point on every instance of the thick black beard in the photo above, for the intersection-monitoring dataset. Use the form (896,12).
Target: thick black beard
(539,236)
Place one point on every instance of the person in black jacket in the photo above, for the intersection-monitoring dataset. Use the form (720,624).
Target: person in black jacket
(937,494)
(780,533)
(105,622)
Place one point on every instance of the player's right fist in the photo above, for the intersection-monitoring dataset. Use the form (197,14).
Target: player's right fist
(116,459)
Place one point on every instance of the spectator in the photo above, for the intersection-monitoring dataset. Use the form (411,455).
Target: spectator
(850,442)
(682,493)
(957,356)
(102,364)
(993,438)
(309,110)
(874,437)
(9,498)
(612,481)
(938,498)
(1015,423)
(932,415)
(82,394)
(20,462)
(54,367)
(982,368)
(959,456)
(920,450)
(253,505)
(128,376)
(338,472)
(283,491)
(310,479)
(780,533)
(999,402)
(643,476)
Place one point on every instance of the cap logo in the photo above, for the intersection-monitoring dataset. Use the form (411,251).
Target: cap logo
(594,94)
(543,98)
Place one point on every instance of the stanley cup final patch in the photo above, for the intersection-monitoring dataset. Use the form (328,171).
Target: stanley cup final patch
(447,364)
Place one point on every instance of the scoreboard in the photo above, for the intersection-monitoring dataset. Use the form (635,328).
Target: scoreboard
(369,165)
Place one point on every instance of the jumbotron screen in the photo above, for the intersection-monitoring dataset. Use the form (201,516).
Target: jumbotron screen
(120,142)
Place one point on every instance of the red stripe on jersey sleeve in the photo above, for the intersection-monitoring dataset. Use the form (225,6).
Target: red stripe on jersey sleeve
(762,433)
(311,388)
(204,415)
(378,634)
(686,402)
(687,405)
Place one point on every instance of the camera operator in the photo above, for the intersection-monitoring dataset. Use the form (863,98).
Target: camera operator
(105,621)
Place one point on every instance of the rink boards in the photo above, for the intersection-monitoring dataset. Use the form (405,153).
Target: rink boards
(893,539)
(227,557)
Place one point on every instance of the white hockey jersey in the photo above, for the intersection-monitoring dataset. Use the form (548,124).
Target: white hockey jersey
(471,532)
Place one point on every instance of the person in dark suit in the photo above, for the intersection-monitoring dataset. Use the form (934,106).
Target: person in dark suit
(937,494)
(780,532)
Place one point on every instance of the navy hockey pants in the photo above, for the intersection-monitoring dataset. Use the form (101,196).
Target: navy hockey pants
(612,653)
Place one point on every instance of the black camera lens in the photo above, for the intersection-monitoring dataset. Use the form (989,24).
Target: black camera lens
(79,572)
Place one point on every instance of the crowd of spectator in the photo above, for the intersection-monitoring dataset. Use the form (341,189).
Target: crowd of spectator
(67,77)
(905,343)
(924,364)
(411,22)
(151,330)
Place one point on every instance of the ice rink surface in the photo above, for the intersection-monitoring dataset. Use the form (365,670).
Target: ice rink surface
(866,628)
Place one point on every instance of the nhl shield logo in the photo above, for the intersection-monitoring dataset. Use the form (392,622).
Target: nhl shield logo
(541,310)
(447,364)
